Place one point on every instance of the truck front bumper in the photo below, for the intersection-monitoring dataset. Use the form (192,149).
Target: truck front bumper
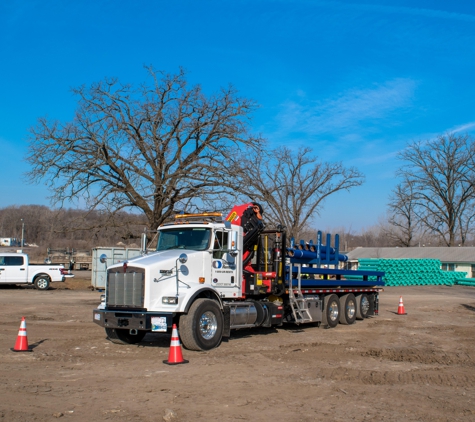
(133,320)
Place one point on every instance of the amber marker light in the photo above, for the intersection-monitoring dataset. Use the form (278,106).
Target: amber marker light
(202,280)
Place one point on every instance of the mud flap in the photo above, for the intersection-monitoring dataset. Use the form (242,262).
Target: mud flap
(373,304)
(227,321)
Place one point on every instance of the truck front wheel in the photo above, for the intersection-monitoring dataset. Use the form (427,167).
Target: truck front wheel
(123,336)
(42,282)
(202,327)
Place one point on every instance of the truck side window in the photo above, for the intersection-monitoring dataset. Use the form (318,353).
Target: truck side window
(220,244)
(13,260)
(2,260)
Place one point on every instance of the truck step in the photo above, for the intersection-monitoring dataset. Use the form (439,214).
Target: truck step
(300,310)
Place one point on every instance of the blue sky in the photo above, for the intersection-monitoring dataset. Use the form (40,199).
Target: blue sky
(353,80)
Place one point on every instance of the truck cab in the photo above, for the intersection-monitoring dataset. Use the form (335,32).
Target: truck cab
(201,261)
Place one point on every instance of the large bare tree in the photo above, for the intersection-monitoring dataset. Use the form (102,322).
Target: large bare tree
(157,148)
(294,185)
(441,173)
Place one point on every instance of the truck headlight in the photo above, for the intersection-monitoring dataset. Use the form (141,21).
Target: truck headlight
(170,300)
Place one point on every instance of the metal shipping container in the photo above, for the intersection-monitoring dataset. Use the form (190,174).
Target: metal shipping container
(109,256)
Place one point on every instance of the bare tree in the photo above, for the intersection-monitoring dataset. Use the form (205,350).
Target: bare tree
(442,177)
(154,148)
(293,186)
(403,219)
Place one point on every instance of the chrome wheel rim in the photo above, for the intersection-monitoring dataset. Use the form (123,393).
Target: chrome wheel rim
(351,309)
(42,283)
(208,325)
(333,308)
(364,305)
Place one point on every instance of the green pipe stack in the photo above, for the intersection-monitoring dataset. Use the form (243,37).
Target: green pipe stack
(466,282)
(410,272)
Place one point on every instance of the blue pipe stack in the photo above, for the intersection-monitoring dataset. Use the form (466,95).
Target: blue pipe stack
(307,254)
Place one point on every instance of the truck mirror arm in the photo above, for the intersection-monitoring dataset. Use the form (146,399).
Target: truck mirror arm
(182,259)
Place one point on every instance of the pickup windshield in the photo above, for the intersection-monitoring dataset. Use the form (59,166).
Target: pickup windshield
(195,238)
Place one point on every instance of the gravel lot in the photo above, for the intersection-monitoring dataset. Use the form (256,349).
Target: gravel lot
(418,367)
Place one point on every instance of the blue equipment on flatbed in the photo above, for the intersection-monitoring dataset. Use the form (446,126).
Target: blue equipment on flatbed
(315,262)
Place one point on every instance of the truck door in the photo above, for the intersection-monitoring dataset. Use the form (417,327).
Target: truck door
(223,264)
(13,269)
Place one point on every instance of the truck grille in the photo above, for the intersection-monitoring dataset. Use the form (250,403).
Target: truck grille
(125,289)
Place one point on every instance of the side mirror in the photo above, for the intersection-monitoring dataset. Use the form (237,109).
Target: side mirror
(233,243)
(230,258)
(143,243)
(103,258)
(183,258)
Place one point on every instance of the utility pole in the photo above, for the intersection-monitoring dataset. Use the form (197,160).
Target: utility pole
(22,231)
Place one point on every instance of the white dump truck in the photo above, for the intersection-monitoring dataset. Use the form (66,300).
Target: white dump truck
(210,275)
(16,269)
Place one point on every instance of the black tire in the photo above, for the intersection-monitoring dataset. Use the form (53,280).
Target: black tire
(123,336)
(42,282)
(331,311)
(348,309)
(202,327)
(362,306)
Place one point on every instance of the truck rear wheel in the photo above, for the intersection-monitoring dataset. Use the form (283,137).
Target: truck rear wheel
(331,311)
(347,309)
(362,306)
(42,282)
(123,336)
(202,327)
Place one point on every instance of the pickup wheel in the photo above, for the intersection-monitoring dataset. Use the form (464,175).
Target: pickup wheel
(362,306)
(331,311)
(202,327)
(42,282)
(347,309)
(123,336)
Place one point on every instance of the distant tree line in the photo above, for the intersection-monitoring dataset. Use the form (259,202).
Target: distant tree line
(69,228)
(82,230)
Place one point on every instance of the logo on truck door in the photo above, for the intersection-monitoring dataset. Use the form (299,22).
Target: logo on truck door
(217,264)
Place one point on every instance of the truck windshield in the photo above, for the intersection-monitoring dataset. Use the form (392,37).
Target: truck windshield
(195,238)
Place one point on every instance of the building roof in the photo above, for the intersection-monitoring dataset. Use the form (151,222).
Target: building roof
(444,254)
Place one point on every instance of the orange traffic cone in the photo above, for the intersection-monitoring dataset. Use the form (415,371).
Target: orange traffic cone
(21,344)
(175,357)
(400,308)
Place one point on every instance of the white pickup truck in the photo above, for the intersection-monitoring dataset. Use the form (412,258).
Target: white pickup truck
(15,269)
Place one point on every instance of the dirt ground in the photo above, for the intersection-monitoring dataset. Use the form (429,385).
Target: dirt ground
(418,367)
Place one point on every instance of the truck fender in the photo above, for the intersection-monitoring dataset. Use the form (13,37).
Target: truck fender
(211,294)
(203,293)
(33,277)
